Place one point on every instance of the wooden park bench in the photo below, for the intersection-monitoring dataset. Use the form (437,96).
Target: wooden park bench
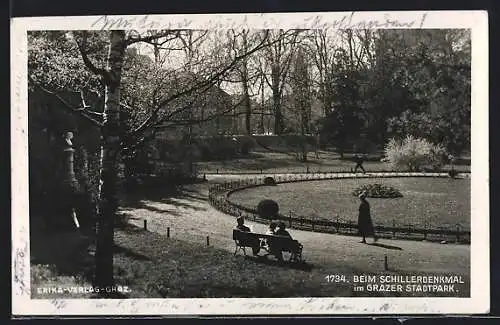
(244,239)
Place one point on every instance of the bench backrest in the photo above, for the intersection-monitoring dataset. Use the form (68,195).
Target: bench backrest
(244,237)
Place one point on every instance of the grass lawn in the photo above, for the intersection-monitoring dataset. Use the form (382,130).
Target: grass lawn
(426,201)
(153,266)
(277,162)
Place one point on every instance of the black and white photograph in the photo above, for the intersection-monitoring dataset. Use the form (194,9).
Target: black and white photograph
(310,163)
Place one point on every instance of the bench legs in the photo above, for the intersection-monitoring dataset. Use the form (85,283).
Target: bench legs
(296,257)
(240,248)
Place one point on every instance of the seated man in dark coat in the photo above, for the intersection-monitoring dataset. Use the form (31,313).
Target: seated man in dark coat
(255,242)
(282,230)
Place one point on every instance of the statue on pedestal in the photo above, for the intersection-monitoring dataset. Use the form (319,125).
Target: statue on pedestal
(69,177)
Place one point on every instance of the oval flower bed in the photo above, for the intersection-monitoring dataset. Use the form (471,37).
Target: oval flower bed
(379,191)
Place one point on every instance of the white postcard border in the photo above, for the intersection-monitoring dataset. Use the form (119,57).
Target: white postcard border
(479,301)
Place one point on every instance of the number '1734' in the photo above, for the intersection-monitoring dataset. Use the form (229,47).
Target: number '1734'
(335,278)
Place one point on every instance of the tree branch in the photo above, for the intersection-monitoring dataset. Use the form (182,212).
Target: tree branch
(81,111)
(86,60)
(154,37)
(186,122)
(200,85)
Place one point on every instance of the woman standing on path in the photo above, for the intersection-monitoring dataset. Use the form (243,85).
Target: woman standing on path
(365,225)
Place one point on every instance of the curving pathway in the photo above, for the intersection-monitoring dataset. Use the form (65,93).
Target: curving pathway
(191,218)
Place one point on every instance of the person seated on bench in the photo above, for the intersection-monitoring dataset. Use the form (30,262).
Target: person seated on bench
(272,228)
(270,231)
(241,226)
(275,249)
(281,230)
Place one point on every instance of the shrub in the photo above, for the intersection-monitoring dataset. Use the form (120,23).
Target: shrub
(246,145)
(205,152)
(453,173)
(378,191)
(267,209)
(269,181)
(414,154)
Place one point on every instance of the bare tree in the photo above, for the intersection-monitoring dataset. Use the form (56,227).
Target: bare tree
(276,66)
(335,51)
(322,49)
(110,147)
(301,98)
(110,125)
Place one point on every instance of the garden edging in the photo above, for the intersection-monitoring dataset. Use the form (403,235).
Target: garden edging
(219,199)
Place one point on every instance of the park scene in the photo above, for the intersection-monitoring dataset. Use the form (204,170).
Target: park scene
(248,163)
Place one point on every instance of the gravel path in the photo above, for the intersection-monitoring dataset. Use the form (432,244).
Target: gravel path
(191,218)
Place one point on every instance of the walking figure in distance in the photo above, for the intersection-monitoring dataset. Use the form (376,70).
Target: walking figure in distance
(365,224)
(359,163)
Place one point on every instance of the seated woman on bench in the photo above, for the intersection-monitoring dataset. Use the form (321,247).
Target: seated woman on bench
(276,249)
(241,226)
(270,231)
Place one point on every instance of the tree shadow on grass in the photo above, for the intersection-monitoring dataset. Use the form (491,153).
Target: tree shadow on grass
(146,206)
(386,246)
(179,196)
(66,252)
(70,253)
(183,204)
(130,253)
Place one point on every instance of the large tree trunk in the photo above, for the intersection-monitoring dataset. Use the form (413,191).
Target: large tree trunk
(262,100)
(244,74)
(246,100)
(108,202)
(248,109)
(278,117)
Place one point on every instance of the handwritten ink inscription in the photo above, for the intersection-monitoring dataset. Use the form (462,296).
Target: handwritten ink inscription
(347,21)
(20,270)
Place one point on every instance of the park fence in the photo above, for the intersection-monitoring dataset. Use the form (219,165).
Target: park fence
(219,198)
(315,169)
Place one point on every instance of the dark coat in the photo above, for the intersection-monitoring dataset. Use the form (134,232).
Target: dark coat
(365,225)
(283,232)
(243,228)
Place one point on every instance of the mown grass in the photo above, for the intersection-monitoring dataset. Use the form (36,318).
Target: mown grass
(153,266)
(185,270)
(426,201)
(278,162)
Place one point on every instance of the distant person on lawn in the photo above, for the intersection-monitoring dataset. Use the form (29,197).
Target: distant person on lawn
(241,226)
(365,225)
(358,159)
